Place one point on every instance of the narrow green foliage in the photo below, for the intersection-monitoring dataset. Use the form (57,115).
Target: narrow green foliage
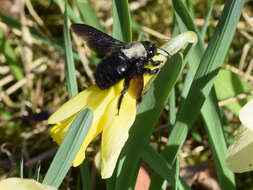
(37,171)
(205,25)
(184,18)
(70,12)
(10,56)
(198,97)
(122,29)
(190,8)
(110,183)
(175,184)
(88,15)
(85,175)
(172,111)
(161,167)
(21,165)
(211,115)
(69,63)
(204,77)
(68,149)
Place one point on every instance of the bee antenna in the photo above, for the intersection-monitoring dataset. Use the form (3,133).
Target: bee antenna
(164,50)
(165,39)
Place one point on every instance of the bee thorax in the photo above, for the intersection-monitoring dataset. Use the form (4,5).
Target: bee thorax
(135,50)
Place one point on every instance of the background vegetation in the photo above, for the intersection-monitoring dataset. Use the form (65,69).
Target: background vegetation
(32,80)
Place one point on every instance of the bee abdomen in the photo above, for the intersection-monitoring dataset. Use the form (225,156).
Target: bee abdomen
(105,79)
(110,70)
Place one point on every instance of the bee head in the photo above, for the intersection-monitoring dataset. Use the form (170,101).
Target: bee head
(150,48)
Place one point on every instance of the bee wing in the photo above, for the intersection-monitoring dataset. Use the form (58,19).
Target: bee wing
(98,41)
(136,86)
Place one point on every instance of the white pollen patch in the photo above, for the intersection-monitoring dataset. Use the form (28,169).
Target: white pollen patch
(136,50)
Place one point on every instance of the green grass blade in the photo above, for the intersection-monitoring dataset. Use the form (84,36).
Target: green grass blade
(122,28)
(68,149)
(146,120)
(175,184)
(70,12)
(184,18)
(161,167)
(87,14)
(110,183)
(85,175)
(37,171)
(204,78)
(226,174)
(210,113)
(69,62)
(135,175)
(205,25)
(172,110)
(190,8)
(21,165)
(185,23)
(11,57)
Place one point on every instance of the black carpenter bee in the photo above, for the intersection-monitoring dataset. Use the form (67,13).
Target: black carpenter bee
(121,60)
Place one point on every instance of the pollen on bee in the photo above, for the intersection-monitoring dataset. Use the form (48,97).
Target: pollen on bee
(135,89)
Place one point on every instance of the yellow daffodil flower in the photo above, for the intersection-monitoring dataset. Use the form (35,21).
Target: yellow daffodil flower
(23,184)
(240,152)
(106,120)
(114,126)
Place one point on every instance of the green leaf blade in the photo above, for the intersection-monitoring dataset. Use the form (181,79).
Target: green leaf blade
(204,78)
(69,65)
(68,149)
(122,28)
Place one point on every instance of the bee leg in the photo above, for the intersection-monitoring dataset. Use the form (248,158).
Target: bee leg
(150,71)
(155,63)
(139,99)
(126,85)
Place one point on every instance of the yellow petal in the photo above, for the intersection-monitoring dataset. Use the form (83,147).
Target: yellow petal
(92,97)
(95,129)
(115,132)
(246,115)
(240,152)
(23,184)
(59,130)
(98,100)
